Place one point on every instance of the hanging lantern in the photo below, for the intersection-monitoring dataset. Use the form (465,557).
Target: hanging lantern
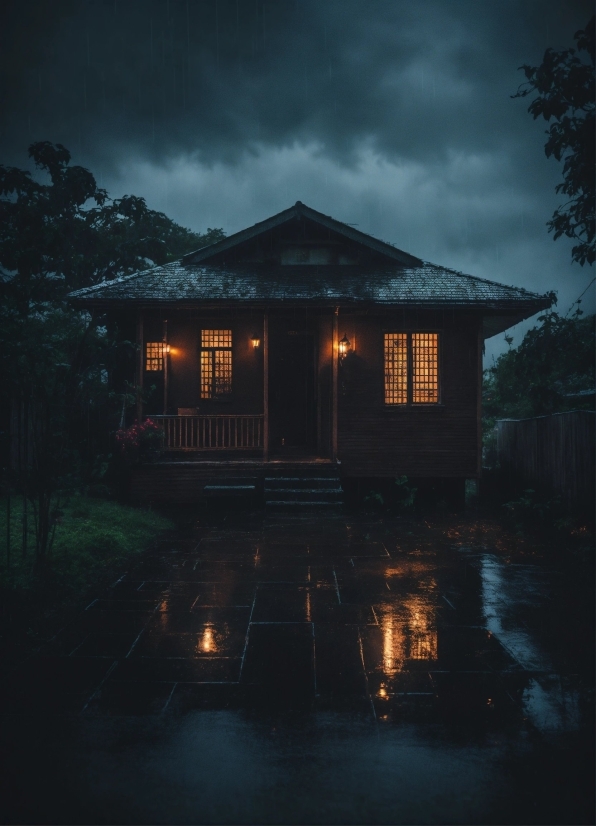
(344,346)
(255,340)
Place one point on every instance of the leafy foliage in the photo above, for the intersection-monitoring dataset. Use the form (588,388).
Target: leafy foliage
(94,540)
(55,361)
(564,83)
(67,234)
(555,358)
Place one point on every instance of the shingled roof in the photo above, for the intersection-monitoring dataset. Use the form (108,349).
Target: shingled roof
(396,278)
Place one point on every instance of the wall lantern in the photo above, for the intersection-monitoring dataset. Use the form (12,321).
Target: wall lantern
(344,347)
(255,340)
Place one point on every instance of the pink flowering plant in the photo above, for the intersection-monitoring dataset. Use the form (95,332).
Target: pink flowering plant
(140,442)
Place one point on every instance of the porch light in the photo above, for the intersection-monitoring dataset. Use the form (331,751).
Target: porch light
(255,340)
(344,346)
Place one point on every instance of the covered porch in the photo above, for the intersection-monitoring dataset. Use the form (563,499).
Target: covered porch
(240,385)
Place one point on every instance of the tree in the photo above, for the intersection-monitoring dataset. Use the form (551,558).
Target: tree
(554,361)
(54,360)
(564,83)
(67,234)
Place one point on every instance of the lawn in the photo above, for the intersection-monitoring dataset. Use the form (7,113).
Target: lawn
(95,540)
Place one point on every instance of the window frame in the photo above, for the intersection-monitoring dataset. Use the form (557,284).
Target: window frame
(158,354)
(214,396)
(409,403)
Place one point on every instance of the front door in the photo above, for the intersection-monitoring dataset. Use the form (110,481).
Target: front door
(292,402)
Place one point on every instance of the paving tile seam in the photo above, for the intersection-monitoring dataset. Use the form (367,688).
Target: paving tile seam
(281,622)
(101,684)
(368,692)
(177,682)
(248,632)
(198,659)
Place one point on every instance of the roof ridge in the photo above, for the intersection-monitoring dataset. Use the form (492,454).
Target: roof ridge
(382,247)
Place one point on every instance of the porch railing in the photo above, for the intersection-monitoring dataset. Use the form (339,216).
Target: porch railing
(221,432)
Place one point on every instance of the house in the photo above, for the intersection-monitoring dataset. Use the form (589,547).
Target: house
(302,351)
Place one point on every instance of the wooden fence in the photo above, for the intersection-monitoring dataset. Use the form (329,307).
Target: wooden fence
(552,453)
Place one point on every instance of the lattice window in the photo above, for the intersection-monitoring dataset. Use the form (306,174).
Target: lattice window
(216,363)
(396,368)
(425,368)
(411,368)
(154,355)
(216,338)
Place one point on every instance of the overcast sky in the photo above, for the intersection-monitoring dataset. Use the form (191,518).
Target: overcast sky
(393,115)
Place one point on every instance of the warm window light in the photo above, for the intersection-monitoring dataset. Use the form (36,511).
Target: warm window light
(155,352)
(411,368)
(344,346)
(255,340)
(216,363)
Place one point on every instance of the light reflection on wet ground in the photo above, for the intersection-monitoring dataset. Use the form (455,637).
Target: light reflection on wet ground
(305,669)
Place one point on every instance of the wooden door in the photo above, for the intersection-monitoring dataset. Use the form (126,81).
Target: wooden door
(292,403)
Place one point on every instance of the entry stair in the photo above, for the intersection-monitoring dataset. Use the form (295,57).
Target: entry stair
(232,487)
(303,487)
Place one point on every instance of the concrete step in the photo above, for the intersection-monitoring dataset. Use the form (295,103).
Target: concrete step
(312,482)
(228,488)
(232,487)
(304,493)
(293,504)
(297,470)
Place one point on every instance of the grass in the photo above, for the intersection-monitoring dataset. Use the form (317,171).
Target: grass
(95,540)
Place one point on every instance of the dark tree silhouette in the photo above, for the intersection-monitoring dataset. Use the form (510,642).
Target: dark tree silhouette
(55,236)
(543,375)
(564,87)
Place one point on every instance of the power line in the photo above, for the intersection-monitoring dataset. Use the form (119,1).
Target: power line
(580,298)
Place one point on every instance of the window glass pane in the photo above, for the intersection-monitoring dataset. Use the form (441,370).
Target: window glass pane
(154,351)
(223,372)
(425,368)
(216,363)
(396,368)
(206,374)
(216,338)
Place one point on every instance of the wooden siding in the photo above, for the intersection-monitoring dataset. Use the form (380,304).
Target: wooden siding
(377,440)
(184,330)
(374,439)
(551,452)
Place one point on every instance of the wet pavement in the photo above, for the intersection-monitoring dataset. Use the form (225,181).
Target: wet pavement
(310,669)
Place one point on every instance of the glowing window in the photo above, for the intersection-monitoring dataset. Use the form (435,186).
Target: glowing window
(154,355)
(425,368)
(411,368)
(396,368)
(216,363)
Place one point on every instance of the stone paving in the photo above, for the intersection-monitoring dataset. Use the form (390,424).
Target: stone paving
(362,622)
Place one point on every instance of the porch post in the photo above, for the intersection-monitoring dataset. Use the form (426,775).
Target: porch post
(480,375)
(334,358)
(266,386)
(140,365)
(166,365)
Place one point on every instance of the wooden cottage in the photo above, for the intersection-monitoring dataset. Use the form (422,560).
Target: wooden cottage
(303,352)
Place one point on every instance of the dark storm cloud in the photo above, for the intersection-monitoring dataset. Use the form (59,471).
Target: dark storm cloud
(213,76)
(395,115)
